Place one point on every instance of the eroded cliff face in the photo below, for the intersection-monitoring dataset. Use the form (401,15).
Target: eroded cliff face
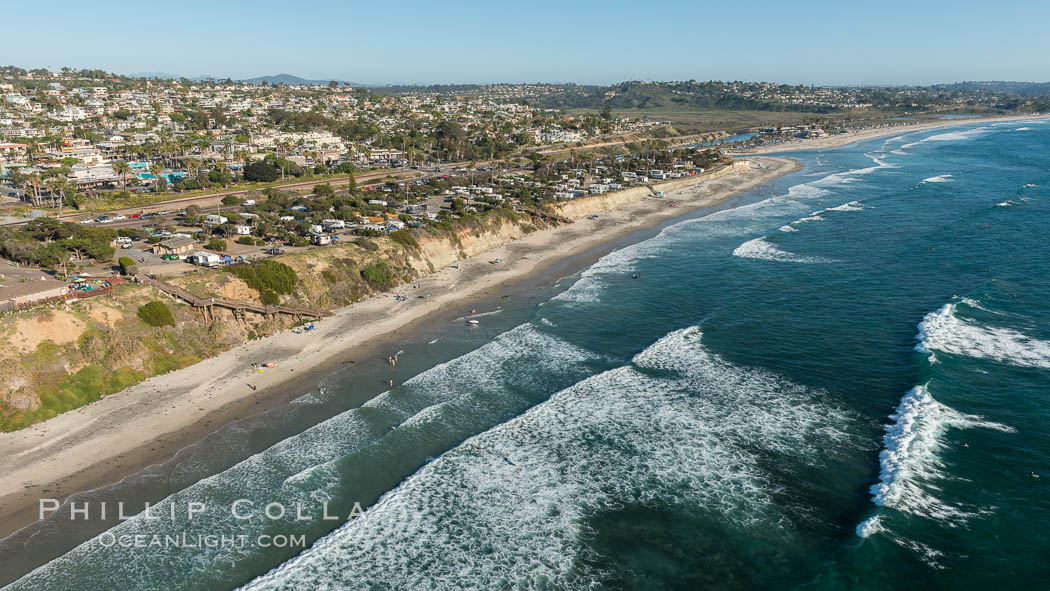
(439,251)
(596,204)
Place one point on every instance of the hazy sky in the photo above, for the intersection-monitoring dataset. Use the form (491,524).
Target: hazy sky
(390,41)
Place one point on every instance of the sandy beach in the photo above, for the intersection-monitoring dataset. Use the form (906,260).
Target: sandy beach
(120,435)
(845,139)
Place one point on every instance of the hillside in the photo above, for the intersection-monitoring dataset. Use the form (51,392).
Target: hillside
(670,96)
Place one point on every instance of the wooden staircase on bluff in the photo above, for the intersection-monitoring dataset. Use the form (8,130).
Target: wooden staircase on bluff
(206,305)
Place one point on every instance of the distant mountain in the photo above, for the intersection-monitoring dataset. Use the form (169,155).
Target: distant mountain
(290,80)
(286,79)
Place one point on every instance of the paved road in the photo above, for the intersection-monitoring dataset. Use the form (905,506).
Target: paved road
(208,200)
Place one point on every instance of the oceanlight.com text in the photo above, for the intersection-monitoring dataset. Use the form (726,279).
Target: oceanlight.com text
(195,541)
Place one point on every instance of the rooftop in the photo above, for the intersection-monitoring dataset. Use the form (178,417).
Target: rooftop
(28,288)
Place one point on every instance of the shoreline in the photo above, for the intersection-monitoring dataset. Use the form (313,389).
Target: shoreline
(115,438)
(845,139)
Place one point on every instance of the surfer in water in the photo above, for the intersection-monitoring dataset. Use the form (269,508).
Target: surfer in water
(505,459)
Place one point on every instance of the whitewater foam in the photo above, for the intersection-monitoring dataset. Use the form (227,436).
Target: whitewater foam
(909,462)
(870,526)
(761,249)
(942,178)
(851,206)
(678,426)
(943,331)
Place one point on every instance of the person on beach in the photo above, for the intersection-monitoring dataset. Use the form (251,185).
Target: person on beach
(253,386)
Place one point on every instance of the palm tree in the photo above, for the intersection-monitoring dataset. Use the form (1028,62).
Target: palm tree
(58,187)
(35,181)
(54,187)
(193,165)
(122,169)
(155,169)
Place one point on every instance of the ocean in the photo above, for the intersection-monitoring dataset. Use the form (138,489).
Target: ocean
(840,383)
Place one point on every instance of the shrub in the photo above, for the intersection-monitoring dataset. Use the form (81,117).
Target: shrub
(269,297)
(216,244)
(231,200)
(156,313)
(268,275)
(246,240)
(154,239)
(127,266)
(379,274)
(405,238)
(367,244)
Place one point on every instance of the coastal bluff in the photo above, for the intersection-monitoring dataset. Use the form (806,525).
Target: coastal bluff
(595,204)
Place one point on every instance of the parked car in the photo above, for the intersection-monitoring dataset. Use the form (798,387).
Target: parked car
(87,221)
(117,218)
(274,251)
(135,216)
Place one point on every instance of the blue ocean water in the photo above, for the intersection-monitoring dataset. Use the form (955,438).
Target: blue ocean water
(844,385)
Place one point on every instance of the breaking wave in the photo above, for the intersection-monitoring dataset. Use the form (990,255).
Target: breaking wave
(944,331)
(909,466)
(942,178)
(761,249)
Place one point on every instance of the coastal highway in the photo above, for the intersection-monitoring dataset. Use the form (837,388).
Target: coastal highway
(216,198)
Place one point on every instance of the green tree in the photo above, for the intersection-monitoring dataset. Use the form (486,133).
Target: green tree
(261,172)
